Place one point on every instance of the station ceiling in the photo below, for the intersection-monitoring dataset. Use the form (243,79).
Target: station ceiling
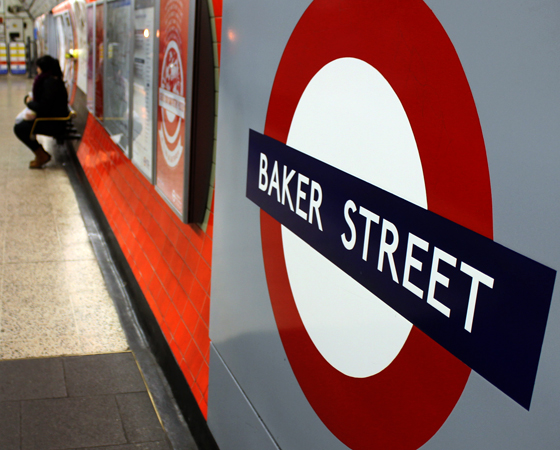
(33,8)
(39,7)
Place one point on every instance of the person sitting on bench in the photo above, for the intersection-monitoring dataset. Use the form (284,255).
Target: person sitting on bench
(49,99)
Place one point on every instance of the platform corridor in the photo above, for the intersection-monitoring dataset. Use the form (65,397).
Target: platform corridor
(68,378)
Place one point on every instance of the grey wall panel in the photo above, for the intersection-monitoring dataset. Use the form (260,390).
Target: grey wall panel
(510,52)
(243,328)
(235,424)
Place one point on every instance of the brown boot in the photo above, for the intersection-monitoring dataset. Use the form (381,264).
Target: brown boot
(41,158)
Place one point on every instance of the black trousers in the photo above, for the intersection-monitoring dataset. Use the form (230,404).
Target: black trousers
(46,128)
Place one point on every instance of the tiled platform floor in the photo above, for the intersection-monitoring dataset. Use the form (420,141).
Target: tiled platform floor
(54,304)
(80,402)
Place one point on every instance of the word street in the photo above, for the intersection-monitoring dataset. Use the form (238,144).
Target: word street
(388,247)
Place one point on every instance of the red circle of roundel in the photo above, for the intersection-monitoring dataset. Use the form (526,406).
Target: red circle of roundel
(403,406)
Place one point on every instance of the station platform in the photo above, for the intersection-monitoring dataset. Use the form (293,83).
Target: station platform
(75,369)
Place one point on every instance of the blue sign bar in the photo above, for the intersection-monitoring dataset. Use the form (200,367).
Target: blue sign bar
(484,303)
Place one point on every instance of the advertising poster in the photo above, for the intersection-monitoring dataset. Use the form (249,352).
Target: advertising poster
(117,72)
(90,18)
(79,10)
(68,65)
(61,42)
(41,35)
(99,31)
(142,154)
(172,139)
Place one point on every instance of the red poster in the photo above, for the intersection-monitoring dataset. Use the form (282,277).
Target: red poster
(172,143)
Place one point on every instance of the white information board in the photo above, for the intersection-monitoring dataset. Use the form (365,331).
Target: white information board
(142,148)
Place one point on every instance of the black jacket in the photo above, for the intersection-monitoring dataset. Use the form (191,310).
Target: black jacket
(50,98)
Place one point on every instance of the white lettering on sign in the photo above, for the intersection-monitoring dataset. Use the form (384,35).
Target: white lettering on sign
(411,262)
(263,175)
(388,245)
(477,278)
(275,181)
(315,200)
(301,195)
(349,243)
(370,217)
(436,277)
(271,182)
(286,187)
(173,103)
(388,249)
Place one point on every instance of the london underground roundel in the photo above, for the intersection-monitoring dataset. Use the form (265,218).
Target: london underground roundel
(375,89)
(172,104)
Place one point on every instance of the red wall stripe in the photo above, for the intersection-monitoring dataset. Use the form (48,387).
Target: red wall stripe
(170,260)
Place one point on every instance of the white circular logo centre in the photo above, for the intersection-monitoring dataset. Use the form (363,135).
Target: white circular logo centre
(350,117)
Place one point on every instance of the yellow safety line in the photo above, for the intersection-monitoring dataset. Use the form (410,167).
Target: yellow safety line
(149,393)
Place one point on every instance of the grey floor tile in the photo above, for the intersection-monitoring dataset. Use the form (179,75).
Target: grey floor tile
(34,296)
(83,276)
(80,251)
(9,425)
(44,346)
(29,313)
(143,446)
(31,233)
(140,421)
(31,379)
(102,374)
(71,423)
(29,209)
(43,275)
(27,253)
(103,342)
(71,230)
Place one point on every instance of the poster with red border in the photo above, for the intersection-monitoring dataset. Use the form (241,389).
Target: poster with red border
(173,114)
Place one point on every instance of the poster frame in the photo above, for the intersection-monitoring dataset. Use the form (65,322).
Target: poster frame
(189,75)
(93,7)
(101,117)
(155,80)
(131,38)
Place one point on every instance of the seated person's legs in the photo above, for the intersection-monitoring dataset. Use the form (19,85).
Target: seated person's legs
(22,130)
